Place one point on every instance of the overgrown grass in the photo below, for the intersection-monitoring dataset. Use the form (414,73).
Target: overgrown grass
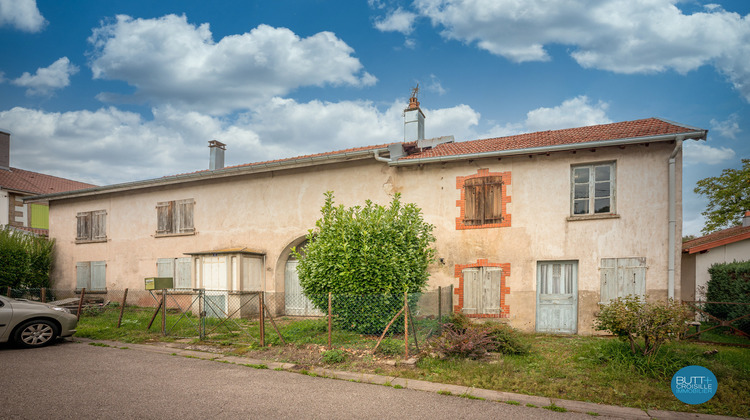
(593,369)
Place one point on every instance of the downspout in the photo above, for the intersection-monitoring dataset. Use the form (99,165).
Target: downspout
(672,215)
(376,154)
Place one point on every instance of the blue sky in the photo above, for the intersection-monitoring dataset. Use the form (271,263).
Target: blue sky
(108,92)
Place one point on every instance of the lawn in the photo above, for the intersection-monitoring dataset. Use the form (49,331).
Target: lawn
(584,368)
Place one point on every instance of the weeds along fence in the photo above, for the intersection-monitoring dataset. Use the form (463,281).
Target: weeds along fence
(720,322)
(400,322)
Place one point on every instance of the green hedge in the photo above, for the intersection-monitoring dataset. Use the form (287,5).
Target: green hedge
(25,260)
(730,282)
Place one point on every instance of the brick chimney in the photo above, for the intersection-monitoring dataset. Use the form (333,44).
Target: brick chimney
(413,119)
(4,150)
(216,160)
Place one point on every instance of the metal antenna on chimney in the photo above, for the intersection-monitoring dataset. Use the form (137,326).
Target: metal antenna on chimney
(415,91)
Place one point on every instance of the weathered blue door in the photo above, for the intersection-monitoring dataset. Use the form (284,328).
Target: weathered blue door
(557,297)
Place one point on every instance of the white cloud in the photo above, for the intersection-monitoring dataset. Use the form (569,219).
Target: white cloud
(169,60)
(22,15)
(728,128)
(47,79)
(621,36)
(397,20)
(701,153)
(435,86)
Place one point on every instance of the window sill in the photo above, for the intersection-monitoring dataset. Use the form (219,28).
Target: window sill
(592,217)
(92,292)
(90,241)
(169,235)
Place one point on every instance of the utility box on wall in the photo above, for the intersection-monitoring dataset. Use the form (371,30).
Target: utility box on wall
(159,283)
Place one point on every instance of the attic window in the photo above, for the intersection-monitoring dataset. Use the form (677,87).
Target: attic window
(91,226)
(175,217)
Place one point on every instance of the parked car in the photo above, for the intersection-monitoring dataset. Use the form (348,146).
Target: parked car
(34,324)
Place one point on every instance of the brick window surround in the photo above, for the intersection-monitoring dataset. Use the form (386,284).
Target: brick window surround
(461,203)
(504,289)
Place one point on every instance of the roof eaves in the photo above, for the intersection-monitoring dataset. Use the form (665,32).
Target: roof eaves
(745,234)
(304,161)
(699,134)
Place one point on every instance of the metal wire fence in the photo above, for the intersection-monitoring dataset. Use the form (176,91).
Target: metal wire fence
(720,322)
(400,321)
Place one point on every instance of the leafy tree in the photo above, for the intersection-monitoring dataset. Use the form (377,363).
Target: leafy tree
(368,257)
(728,195)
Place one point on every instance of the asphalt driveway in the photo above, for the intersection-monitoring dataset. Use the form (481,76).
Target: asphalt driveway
(72,380)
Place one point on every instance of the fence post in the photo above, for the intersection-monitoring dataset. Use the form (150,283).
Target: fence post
(164,311)
(9,293)
(122,307)
(44,295)
(406,324)
(262,320)
(80,302)
(440,309)
(202,314)
(329,321)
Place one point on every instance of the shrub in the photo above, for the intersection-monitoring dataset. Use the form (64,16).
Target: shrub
(462,338)
(334,356)
(25,259)
(367,256)
(730,282)
(633,319)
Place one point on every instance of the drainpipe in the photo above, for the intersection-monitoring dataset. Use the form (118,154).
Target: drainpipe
(376,154)
(672,215)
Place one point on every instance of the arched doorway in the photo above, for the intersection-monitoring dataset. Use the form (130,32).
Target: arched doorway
(295,302)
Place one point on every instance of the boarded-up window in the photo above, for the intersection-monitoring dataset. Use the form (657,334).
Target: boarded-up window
(175,217)
(621,277)
(91,226)
(483,200)
(178,268)
(482,290)
(91,275)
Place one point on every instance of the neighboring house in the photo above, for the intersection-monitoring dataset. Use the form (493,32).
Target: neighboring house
(15,184)
(699,254)
(535,229)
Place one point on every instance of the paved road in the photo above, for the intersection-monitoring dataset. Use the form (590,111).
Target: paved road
(72,380)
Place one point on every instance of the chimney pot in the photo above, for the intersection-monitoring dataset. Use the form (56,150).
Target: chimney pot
(216,159)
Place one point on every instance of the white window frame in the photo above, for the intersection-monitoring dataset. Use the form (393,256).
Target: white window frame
(591,190)
(91,226)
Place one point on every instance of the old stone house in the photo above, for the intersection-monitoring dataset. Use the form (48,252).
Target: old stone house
(534,229)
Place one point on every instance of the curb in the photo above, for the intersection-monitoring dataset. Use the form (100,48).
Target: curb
(419,385)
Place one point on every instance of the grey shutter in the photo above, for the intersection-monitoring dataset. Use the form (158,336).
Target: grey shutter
(83,275)
(164,215)
(631,272)
(83,228)
(99,225)
(165,267)
(472,290)
(183,270)
(608,274)
(184,216)
(491,282)
(98,275)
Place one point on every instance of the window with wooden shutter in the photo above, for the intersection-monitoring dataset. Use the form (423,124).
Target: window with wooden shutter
(483,197)
(175,217)
(91,275)
(482,290)
(91,226)
(621,277)
(179,269)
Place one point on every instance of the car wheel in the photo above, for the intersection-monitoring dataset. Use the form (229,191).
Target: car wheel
(36,333)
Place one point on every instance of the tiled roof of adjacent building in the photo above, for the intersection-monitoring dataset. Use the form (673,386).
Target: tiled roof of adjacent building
(648,127)
(35,183)
(713,240)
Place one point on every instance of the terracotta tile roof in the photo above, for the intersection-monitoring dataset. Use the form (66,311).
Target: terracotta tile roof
(36,183)
(713,240)
(621,130)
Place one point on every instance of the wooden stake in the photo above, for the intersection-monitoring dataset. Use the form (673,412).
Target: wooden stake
(80,302)
(273,324)
(406,325)
(44,295)
(122,307)
(153,317)
(329,321)
(261,320)
(386,329)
